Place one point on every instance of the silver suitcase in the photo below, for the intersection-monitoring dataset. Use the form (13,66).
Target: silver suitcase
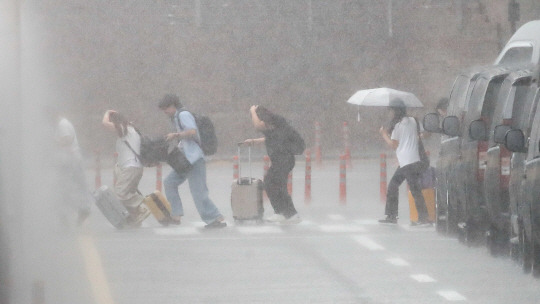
(111,207)
(247,195)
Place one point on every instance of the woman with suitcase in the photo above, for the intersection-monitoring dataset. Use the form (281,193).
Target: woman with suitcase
(128,170)
(279,139)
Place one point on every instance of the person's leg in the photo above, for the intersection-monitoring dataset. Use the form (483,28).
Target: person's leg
(199,191)
(171,184)
(126,186)
(288,209)
(413,175)
(392,194)
(274,183)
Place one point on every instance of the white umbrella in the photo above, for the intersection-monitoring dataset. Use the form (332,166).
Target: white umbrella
(385,97)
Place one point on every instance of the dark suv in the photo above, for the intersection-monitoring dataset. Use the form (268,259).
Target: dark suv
(524,186)
(512,108)
(449,147)
(465,172)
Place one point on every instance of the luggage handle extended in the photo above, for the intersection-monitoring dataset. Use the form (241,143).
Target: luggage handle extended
(240,180)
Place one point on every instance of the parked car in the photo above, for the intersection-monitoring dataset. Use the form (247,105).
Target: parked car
(525,143)
(512,106)
(446,221)
(464,176)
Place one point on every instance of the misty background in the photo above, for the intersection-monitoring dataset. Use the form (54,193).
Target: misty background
(301,58)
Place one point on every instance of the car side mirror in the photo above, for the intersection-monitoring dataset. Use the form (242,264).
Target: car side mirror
(431,123)
(514,141)
(450,126)
(478,130)
(500,133)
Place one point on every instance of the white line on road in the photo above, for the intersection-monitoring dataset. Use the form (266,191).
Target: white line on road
(398,262)
(177,231)
(341,228)
(423,278)
(259,230)
(336,217)
(451,295)
(368,243)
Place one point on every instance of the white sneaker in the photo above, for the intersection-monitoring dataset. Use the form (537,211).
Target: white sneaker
(295,219)
(276,218)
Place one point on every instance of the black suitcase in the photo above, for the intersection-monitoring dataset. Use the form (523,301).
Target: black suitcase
(111,207)
(247,195)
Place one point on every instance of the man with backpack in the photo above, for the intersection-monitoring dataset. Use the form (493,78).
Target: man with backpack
(190,148)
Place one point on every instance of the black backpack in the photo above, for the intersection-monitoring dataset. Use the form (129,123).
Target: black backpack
(207,133)
(153,151)
(295,143)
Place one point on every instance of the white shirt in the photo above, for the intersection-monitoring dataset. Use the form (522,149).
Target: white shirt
(126,157)
(406,133)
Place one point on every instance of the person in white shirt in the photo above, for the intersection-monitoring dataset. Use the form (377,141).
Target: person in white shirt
(70,164)
(404,139)
(128,170)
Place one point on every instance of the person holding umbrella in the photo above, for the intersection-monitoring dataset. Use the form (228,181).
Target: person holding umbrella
(403,137)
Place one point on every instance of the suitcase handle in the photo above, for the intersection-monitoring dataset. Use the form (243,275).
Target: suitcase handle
(239,181)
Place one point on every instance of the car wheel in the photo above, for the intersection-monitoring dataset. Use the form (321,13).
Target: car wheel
(525,251)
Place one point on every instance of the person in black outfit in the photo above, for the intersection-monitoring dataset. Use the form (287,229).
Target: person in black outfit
(277,134)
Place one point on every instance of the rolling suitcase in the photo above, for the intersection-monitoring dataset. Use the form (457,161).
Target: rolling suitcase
(111,207)
(159,206)
(247,195)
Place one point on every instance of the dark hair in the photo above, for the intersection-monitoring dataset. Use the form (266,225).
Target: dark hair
(399,113)
(268,117)
(120,123)
(442,104)
(169,100)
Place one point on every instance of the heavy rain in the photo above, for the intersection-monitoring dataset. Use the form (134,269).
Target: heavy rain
(466,70)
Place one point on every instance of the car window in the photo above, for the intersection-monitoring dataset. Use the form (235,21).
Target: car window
(458,94)
(517,55)
(517,108)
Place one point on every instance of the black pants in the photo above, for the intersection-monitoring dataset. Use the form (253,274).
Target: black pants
(275,184)
(412,173)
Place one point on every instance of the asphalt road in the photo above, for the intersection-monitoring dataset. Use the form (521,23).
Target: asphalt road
(338,254)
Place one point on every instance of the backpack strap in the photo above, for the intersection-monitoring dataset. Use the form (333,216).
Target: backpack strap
(180,126)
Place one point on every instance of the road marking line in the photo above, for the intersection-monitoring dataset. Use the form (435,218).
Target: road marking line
(177,231)
(368,243)
(259,230)
(451,295)
(423,278)
(94,271)
(341,228)
(398,262)
(367,222)
(336,217)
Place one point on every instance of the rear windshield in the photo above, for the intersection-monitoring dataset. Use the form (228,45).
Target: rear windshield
(517,55)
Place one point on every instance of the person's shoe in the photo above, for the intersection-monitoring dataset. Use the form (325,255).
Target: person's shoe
(389,220)
(218,223)
(175,220)
(421,223)
(276,218)
(137,216)
(295,219)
